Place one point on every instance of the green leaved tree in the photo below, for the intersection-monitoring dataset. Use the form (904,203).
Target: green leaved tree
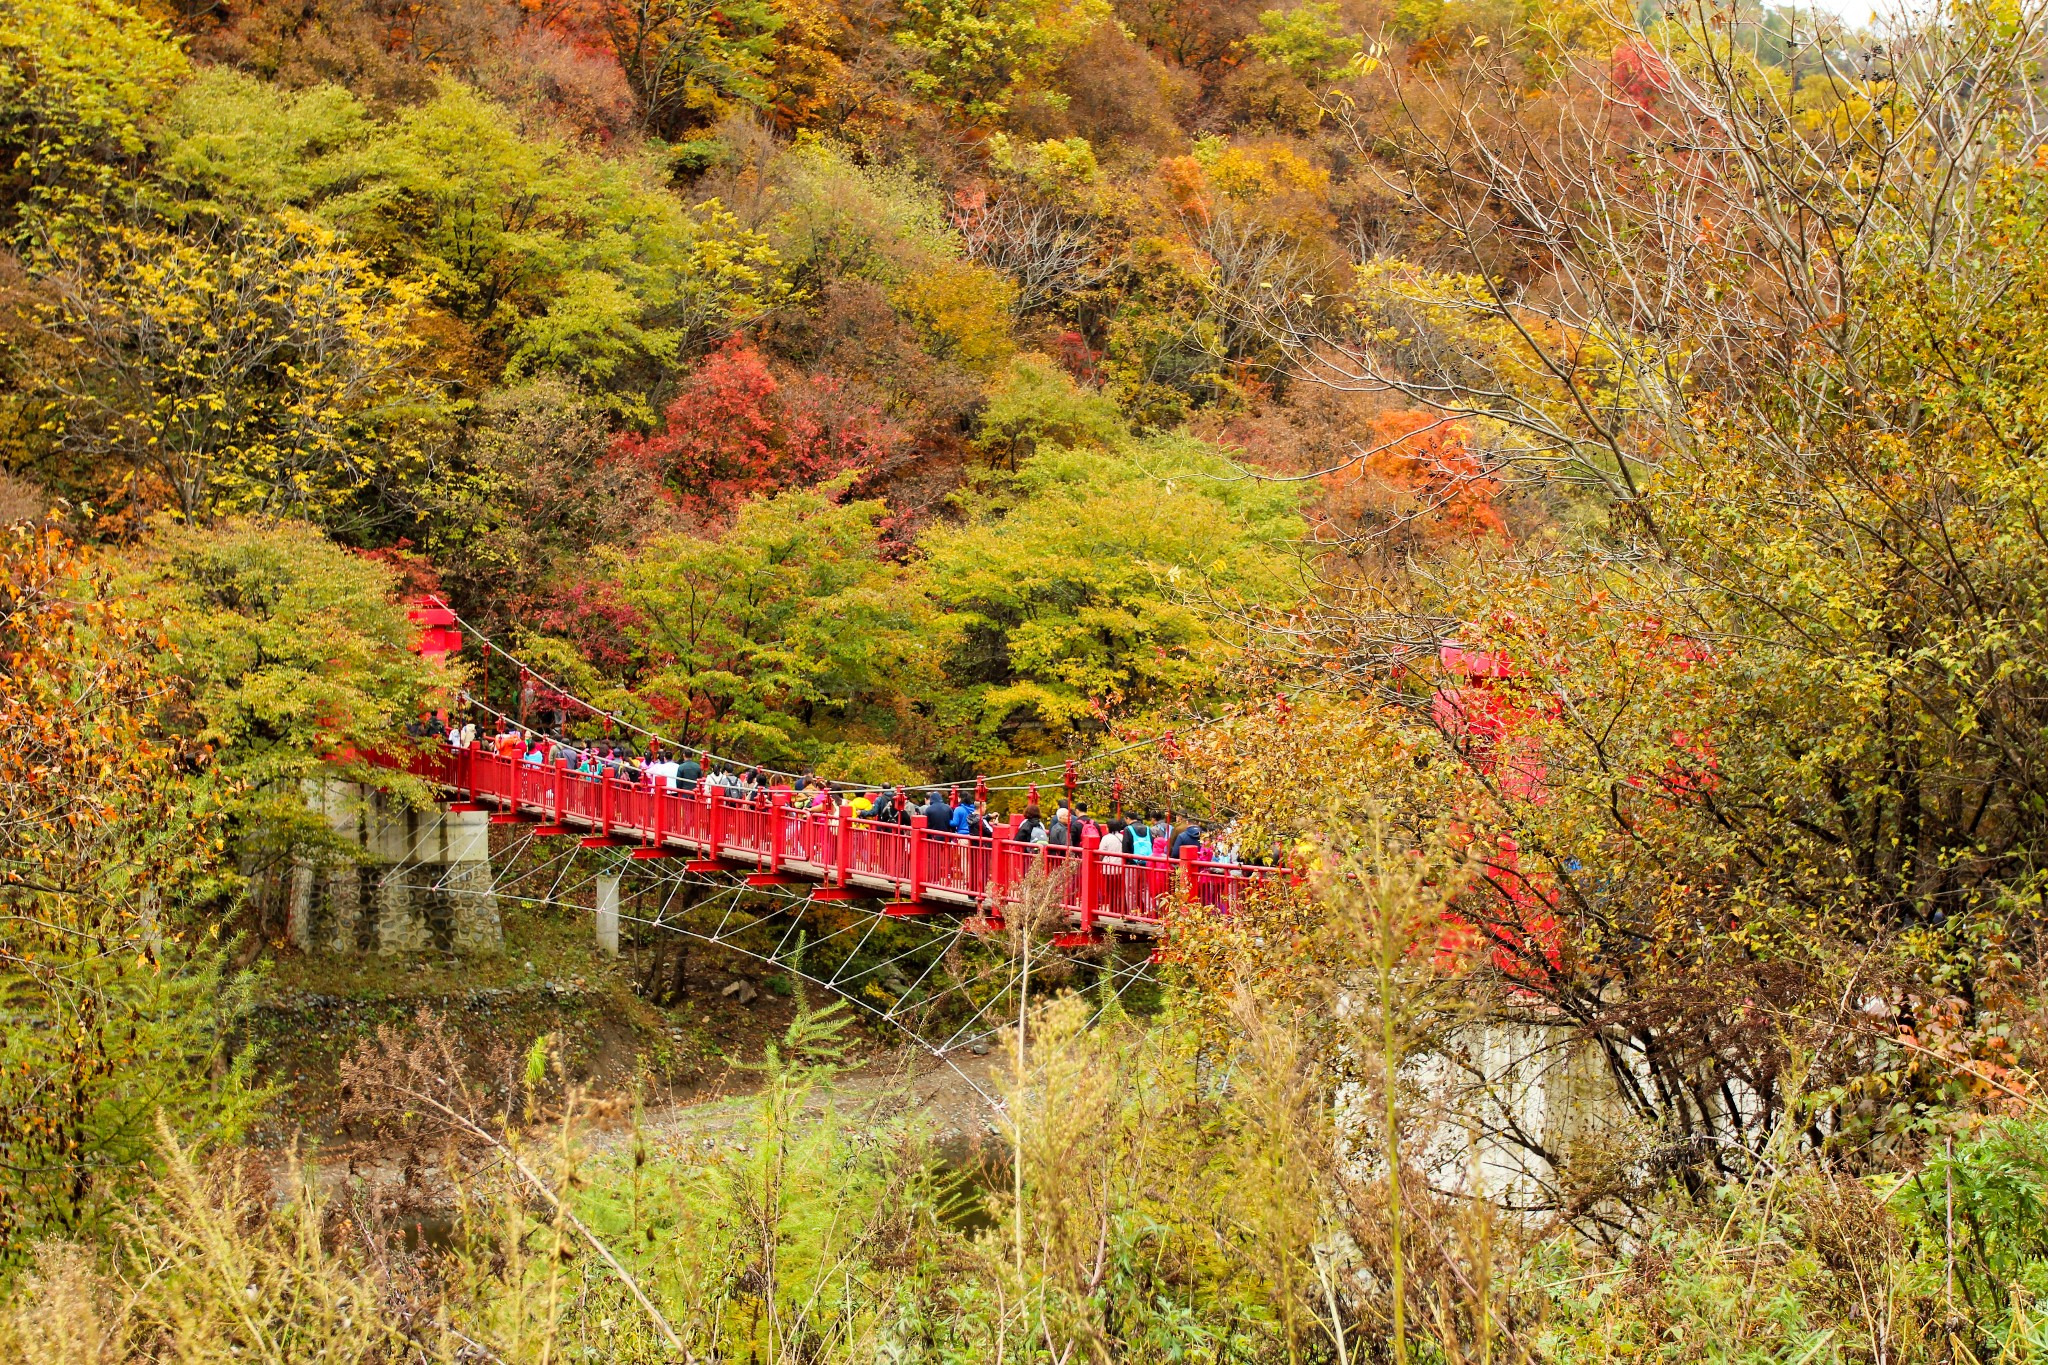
(1096,581)
(115,1005)
(980,56)
(287,657)
(78,80)
(258,366)
(554,259)
(788,637)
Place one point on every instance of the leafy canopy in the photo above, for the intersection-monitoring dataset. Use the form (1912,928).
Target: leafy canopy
(557,258)
(259,366)
(78,80)
(981,55)
(1093,580)
(287,655)
(789,632)
(115,1001)
(1308,40)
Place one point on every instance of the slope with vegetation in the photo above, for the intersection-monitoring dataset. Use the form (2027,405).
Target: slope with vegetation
(1569,477)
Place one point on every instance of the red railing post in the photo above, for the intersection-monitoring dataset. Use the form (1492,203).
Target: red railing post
(714,819)
(916,892)
(845,850)
(604,802)
(775,833)
(1185,873)
(658,789)
(561,787)
(999,870)
(1091,878)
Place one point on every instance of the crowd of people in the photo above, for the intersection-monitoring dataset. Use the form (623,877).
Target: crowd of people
(1135,848)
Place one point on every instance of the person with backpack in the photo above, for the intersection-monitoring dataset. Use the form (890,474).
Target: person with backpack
(967,819)
(1114,870)
(1138,847)
(1158,863)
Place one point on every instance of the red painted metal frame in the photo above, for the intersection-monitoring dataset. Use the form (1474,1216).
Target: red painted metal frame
(912,867)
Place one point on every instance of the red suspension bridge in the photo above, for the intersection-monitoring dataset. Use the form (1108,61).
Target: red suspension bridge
(735,866)
(769,841)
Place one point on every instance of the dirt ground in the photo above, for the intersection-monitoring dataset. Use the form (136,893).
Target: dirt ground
(686,1062)
(956,1094)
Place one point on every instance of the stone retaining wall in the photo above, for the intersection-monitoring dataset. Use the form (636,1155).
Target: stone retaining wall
(415,881)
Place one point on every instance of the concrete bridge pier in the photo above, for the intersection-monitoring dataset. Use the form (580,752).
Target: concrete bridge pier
(608,914)
(406,881)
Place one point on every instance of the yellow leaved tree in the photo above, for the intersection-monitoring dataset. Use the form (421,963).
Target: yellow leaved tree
(260,366)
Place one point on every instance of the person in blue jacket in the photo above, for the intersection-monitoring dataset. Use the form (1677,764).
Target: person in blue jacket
(967,819)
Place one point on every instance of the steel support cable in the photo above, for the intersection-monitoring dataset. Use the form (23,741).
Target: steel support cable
(943,941)
(886,1017)
(707,754)
(471,699)
(891,1017)
(721,934)
(621,721)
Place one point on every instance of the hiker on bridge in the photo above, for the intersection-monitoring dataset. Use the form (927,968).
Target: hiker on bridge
(968,820)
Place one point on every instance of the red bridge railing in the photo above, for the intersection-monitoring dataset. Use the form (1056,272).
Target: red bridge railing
(916,866)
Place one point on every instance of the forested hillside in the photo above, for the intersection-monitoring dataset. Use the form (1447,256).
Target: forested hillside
(1566,481)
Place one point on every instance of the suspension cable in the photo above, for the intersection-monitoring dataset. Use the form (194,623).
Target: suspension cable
(709,756)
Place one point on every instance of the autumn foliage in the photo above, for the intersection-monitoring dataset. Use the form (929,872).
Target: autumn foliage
(1417,468)
(1579,473)
(736,431)
(1642,75)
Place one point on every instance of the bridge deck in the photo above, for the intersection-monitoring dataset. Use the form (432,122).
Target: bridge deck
(919,869)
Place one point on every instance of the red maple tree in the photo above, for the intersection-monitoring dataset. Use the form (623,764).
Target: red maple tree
(1418,466)
(737,431)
